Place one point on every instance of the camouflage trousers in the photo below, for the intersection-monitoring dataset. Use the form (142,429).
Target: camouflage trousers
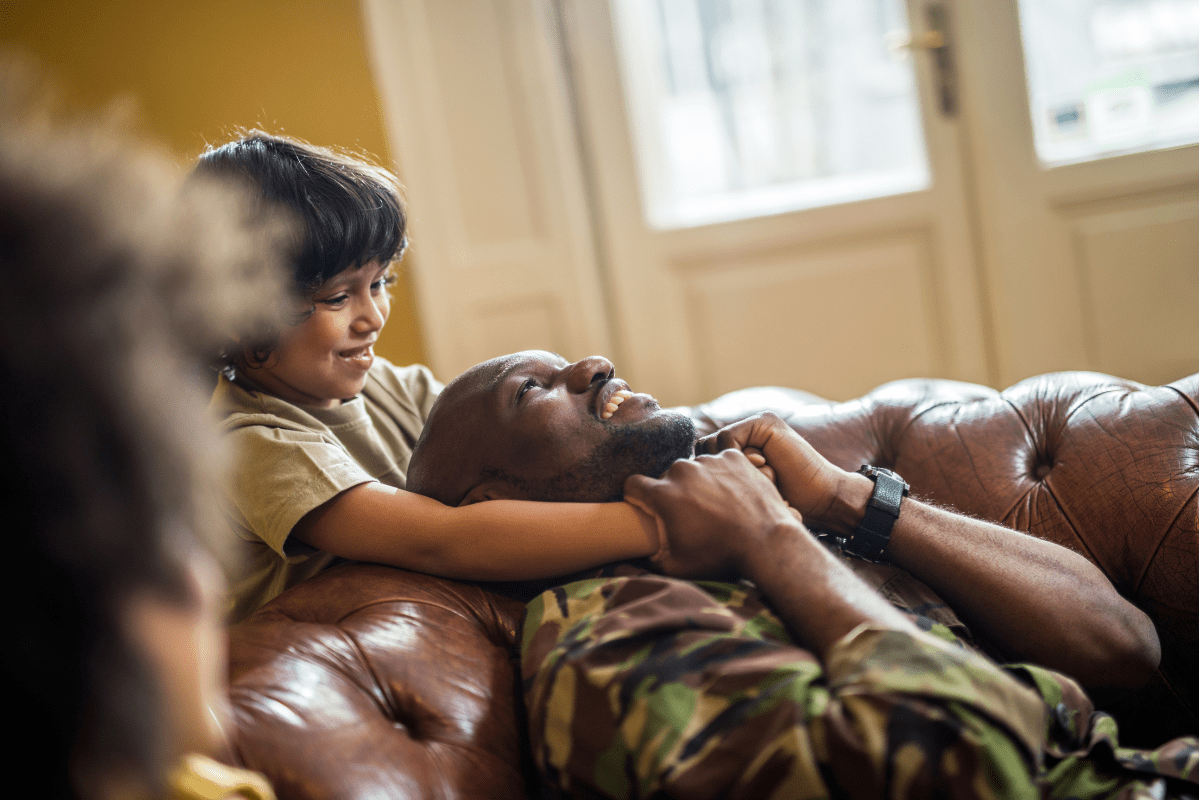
(641,686)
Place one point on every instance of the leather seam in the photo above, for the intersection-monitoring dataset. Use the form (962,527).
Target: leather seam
(415,601)
(1162,538)
(1092,397)
(1185,396)
(381,697)
(1075,530)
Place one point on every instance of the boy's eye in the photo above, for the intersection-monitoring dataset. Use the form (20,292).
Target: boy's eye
(386,280)
(335,300)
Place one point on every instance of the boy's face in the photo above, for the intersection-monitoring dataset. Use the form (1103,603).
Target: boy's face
(324,360)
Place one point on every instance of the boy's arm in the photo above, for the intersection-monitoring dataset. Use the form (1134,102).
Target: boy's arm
(523,540)
(1040,602)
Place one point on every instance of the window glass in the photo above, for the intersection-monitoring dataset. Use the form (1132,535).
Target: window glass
(1110,76)
(743,108)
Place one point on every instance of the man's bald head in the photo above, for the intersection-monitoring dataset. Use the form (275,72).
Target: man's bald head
(531,426)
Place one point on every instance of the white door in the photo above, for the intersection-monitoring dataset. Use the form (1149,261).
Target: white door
(856,275)
(1090,247)
(1006,265)
(502,248)
(802,249)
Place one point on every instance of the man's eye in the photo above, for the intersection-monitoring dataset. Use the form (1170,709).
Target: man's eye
(525,387)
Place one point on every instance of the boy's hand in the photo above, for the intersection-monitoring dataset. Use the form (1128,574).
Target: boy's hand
(714,512)
(811,484)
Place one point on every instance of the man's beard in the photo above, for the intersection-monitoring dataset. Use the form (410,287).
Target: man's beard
(646,448)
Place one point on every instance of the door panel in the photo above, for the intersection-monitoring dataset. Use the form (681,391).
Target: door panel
(800,309)
(509,119)
(477,110)
(1137,260)
(833,300)
(1088,266)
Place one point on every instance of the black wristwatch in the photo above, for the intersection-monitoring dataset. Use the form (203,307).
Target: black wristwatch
(870,538)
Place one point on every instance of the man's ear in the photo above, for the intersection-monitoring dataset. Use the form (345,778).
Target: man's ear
(492,489)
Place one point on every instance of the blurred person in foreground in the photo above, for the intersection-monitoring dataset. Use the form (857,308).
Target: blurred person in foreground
(116,282)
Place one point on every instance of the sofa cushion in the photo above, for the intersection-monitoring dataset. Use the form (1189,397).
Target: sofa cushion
(368,681)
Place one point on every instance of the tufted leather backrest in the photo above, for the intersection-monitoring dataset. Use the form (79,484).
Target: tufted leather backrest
(1103,466)
(371,682)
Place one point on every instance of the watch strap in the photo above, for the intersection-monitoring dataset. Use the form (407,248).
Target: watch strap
(870,538)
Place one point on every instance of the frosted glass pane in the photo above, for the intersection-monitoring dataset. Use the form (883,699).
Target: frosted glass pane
(1110,76)
(743,108)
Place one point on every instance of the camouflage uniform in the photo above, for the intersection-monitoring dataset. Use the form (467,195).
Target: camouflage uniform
(642,686)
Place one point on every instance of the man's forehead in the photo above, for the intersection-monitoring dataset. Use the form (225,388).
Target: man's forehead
(490,375)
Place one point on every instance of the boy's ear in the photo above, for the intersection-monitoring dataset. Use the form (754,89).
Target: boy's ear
(492,489)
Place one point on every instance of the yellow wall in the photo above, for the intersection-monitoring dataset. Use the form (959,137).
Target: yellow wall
(197,71)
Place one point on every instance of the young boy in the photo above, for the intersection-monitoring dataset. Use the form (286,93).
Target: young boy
(323,429)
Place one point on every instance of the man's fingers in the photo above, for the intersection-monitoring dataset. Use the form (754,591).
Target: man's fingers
(639,486)
(707,444)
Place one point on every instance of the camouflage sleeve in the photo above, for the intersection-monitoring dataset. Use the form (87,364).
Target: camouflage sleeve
(650,687)
(1083,758)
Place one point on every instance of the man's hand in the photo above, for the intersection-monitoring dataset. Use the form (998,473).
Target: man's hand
(1007,585)
(720,514)
(715,512)
(826,496)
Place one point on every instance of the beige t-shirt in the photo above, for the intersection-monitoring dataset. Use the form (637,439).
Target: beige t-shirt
(290,459)
(199,777)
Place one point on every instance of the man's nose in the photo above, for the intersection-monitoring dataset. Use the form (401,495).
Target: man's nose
(582,374)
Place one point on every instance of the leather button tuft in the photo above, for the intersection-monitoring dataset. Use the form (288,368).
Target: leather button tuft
(1042,471)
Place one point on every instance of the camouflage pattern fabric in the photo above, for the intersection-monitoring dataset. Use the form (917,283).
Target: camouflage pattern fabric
(641,686)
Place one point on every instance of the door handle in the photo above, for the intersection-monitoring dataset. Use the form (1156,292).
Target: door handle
(929,40)
(936,41)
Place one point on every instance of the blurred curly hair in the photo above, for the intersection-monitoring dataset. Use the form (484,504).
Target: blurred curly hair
(116,283)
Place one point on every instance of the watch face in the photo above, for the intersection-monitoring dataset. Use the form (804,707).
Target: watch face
(874,473)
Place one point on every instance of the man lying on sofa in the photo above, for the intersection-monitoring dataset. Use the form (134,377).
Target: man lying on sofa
(638,683)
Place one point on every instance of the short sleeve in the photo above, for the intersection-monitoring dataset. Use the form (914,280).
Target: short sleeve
(281,474)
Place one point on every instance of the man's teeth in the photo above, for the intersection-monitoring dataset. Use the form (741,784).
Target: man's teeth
(614,402)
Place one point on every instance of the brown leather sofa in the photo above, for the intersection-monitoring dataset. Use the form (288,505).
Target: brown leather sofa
(373,682)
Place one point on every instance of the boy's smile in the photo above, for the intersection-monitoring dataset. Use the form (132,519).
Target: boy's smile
(324,359)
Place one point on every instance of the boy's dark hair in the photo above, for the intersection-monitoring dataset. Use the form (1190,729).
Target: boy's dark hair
(115,284)
(350,211)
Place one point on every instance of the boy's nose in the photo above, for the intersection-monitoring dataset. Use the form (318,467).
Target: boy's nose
(582,374)
(371,319)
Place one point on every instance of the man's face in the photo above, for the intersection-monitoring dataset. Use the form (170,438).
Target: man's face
(531,425)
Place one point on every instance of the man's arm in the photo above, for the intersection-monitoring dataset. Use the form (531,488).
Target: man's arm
(892,701)
(721,516)
(1038,601)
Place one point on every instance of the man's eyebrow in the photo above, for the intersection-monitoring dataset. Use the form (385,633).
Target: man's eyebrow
(500,377)
(512,366)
